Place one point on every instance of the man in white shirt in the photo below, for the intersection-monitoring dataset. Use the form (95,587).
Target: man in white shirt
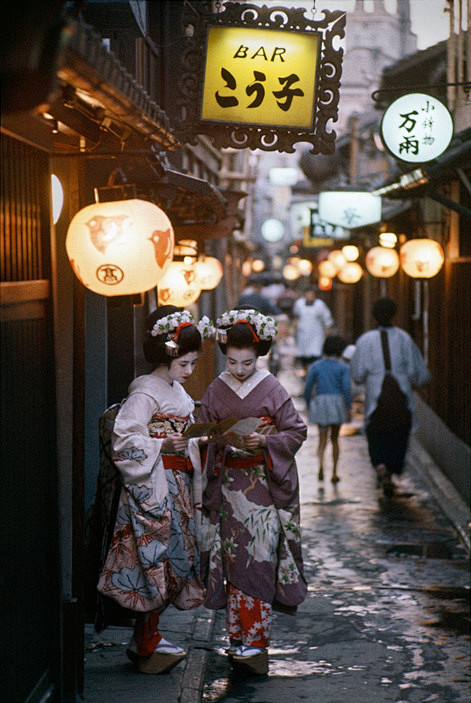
(315,322)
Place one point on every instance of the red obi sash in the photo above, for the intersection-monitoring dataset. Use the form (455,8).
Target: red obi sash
(243,462)
(177,463)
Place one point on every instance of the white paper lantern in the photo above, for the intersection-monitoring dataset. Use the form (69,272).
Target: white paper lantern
(121,247)
(180,285)
(324,283)
(258,265)
(337,258)
(381,262)
(326,268)
(350,273)
(291,272)
(57,197)
(209,271)
(388,239)
(350,252)
(304,267)
(421,258)
(246,268)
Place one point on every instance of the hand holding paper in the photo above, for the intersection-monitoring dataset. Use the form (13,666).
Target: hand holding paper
(239,427)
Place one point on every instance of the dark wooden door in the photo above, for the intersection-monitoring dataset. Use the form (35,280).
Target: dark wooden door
(29,539)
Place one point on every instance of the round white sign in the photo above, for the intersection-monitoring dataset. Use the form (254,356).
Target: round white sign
(416,128)
(272,230)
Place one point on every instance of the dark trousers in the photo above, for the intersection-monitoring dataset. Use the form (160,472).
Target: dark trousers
(388,447)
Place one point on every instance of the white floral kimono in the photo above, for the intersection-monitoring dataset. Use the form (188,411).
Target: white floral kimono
(153,559)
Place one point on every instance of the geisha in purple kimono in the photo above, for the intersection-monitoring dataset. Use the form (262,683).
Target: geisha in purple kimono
(251,539)
(153,558)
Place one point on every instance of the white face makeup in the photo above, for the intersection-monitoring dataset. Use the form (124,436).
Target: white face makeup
(182,367)
(241,362)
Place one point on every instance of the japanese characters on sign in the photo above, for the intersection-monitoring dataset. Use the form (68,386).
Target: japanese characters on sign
(264,77)
(416,128)
(350,209)
(306,225)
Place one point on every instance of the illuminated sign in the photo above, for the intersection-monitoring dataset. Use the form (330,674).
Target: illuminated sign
(283,176)
(416,128)
(349,209)
(257,76)
(320,233)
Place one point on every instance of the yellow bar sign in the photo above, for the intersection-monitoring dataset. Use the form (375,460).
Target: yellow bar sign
(260,77)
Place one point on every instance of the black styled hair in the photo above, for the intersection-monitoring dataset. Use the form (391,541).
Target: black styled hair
(242,336)
(189,339)
(384,310)
(333,346)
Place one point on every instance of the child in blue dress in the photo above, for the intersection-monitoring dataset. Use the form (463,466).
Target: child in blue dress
(328,397)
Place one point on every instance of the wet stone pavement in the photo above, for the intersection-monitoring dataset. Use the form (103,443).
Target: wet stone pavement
(386,619)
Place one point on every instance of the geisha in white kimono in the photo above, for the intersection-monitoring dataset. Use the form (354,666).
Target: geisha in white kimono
(251,538)
(151,558)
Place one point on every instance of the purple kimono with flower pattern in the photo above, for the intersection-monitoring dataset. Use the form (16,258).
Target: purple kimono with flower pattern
(251,519)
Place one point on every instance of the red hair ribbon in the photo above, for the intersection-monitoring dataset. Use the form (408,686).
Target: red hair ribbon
(179,329)
(255,338)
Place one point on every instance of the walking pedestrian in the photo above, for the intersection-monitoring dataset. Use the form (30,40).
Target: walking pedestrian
(251,544)
(314,323)
(255,298)
(328,397)
(390,365)
(153,560)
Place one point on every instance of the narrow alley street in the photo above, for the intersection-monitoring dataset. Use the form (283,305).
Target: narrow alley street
(387,614)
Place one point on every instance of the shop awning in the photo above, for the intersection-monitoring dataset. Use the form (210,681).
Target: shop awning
(425,179)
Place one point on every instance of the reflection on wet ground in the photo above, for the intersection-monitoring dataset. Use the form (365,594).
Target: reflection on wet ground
(386,618)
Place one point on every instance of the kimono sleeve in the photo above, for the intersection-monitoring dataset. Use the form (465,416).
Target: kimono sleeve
(281,448)
(135,454)
(204,411)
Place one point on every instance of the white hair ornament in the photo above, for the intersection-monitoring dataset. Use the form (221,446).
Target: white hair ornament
(265,326)
(172,325)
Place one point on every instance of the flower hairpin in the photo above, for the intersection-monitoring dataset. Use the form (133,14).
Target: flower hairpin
(265,326)
(172,325)
(206,328)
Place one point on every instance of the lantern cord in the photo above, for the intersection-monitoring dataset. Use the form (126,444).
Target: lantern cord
(313,9)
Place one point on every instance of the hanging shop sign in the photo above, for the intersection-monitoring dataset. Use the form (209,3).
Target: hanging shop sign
(417,128)
(349,209)
(318,233)
(263,76)
(259,78)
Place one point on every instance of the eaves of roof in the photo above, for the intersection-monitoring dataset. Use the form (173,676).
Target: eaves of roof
(419,58)
(89,67)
